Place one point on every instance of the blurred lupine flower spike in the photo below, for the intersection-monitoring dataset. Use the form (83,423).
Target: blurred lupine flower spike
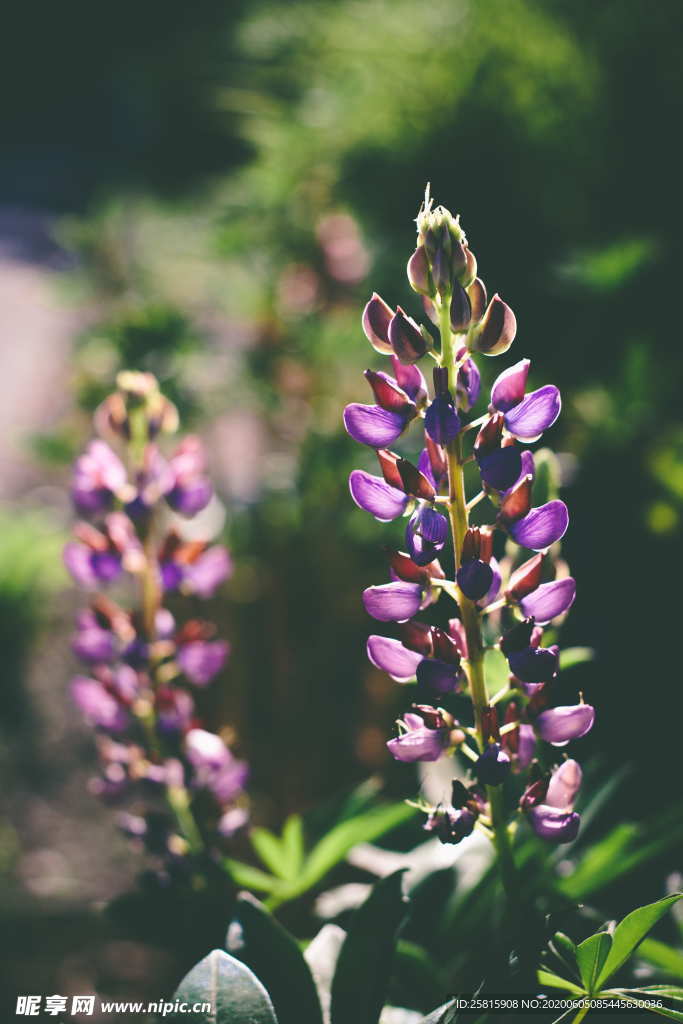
(142,669)
(490,590)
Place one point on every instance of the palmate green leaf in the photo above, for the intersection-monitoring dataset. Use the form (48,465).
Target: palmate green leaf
(565,951)
(260,942)
(622,994)
(365,960)
(293,844)
(555,981)
(631,931)
(233,992)
(591,955)
(665,957)
(249,877)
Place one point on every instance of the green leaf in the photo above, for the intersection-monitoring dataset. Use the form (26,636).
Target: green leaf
(260,942)
(416,983)
(666,991)
(665,957)
(632,930)
(293,844)
(233,992)
(565,950)
(251,878)
(441,1015)
(591,955)
(334,846)
(663,1011)
(571,656)
(613,857)
(269,849)
(555,981)
(365,961)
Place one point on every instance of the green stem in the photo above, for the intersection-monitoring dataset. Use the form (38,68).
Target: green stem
(458,516)
(581,1014)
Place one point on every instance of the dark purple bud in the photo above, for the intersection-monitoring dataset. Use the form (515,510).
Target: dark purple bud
(451,826)
(549,600)
(525,579)
(489,724)
(500,469)
(460,797)
(496,331)
(393,602)
(461,311)
(517,502)
(402,567)
(407,340)
(534,414)
(442,423)
(489,436)
(372,425)
(509,386)
(493,766)
(392,657)
(494,590)
(202,660)
(562,724)
(418,272)
(553,825)
(469,273)
(377,497)
(468,385)
(376,318)
(410,378)
(389,395)
(478,298)
(418,637)
(541,527)
(474,579)
(436,677)
(518,638)
(98,706)
(418,742)
(388,464)
(426,534)
(414,482)
(564,785)
(445,647)
(535,664)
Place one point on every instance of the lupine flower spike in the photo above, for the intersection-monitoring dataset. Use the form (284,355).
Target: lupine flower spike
(142,669)
(522,730)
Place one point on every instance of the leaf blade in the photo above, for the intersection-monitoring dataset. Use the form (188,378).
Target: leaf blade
(233,991)
(632,930)
(591,955)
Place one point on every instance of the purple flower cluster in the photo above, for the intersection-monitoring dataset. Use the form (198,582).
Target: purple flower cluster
(516,730)
(141,669)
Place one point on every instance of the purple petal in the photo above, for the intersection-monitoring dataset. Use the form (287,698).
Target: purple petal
(411,379)
(93,643)
(392,657)
(556,826)
(509,387)
(98,706)
(442,422)
(200,660)
(437,677)
(549,600)
(191,497)
(424,464)
(372,425)
(468,385)
(542,526)
(421,744)
(106,566)
(376,496)
(493,766)
(393,602)
(229,781)
(493,591)
(526,746)
(534,414)
(569,722)
(208,571)
(426,534)
(534,664)
(501,468)
(475,579)
(171,575)
(564,785)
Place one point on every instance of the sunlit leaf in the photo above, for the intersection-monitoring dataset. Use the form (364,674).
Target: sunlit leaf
(631,931)
(591,955)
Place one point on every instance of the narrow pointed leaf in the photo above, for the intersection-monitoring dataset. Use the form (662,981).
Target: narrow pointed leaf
(555,981)
(662,1011)
(260,942)
(591,955)
(667,958)
(249,877)
(293,844)
(234,993)
(269,849)
(632,930)
(365,961)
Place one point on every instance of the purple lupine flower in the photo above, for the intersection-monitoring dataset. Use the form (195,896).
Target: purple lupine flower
(437,677)
(376,319)
(468,383)
(426,534)
(372,425)
(554,819)
(451,826)
(191,489)
(98,477)
(569,722)
(97,705)
(376,496)
(548,600)
(442,422)
(174,709)
(201,660)
(393,602)
(206,573)
(92,641)
(475,579)
(535,664)
(391,656)
(493,766)
(541,526)
(215,767)
(526,416)
(408,342)
(496,583)
(417,741)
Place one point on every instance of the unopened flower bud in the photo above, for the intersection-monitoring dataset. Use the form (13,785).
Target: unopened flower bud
(493,766)
(418,273)
(517,502)
(476,292)
(496,331)
(376,318)
(414,482)
(526,578)
(408,342)
(468,273)
(461,311)
(389,395)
